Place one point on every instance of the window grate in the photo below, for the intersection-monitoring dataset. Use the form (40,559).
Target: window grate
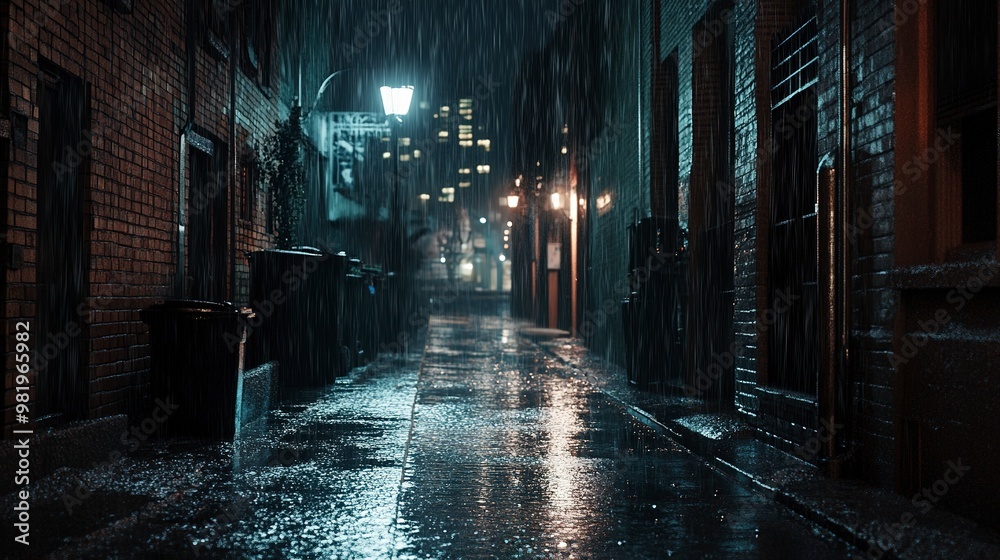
(795,63)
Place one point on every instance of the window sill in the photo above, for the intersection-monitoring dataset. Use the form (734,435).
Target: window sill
(943,276)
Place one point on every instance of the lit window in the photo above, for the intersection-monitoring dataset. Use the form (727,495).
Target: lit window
(404,157)
(386,155)
(482,169)
(465,184)
(464,171)
(465,143)
(425,196)
(404,141)
(417,153)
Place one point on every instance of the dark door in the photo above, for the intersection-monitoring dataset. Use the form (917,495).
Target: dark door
(794,265)
(62,247)
(716,77)
(207,212)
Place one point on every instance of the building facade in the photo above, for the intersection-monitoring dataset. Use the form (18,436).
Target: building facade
(831,169)
(130,170)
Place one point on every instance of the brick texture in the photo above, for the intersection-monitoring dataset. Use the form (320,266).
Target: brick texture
(134,67)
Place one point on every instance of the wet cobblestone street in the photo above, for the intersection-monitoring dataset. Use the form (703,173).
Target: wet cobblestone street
(482,447)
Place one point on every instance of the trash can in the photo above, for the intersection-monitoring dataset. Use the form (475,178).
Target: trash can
(196,352)
(628,305)
(370,331)
(354,288)
(391,309)
(650,323)
(298,296)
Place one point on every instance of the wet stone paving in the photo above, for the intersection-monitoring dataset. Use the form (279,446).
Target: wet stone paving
(480,447)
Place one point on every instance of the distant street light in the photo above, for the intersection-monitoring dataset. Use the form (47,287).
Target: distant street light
(557,201)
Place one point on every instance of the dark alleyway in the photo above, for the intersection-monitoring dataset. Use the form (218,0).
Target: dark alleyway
(484,449)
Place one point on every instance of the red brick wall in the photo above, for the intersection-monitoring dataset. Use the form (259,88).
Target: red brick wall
(134,65)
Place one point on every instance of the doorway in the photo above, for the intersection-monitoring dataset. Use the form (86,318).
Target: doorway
(62,260)
(207,220)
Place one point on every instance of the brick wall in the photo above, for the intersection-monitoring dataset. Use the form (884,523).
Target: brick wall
(872,106)
(134,68)
(618,165)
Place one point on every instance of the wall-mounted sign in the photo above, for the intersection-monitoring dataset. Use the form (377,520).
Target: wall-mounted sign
(555,256)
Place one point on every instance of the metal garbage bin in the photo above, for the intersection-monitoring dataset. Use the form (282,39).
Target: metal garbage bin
(391,309)
(629,320)
(354,287)
(370,330)
(298,296)
(650,323)
(196,359)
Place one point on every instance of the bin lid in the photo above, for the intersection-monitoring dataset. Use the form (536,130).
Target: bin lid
(194,306)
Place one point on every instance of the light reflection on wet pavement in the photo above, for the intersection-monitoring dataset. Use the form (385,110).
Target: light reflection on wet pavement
(505,457)
(511,459)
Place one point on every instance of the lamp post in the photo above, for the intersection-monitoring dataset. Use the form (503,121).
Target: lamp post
(396,102)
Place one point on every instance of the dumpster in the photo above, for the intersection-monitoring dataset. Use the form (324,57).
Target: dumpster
(298,296)
(197,350)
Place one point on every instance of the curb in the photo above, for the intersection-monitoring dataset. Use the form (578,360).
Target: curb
(704,448)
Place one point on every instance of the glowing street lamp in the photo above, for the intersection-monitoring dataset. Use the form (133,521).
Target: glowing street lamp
(557,201)
(396,100)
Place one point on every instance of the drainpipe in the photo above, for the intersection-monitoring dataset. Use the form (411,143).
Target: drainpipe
(837,366)
(180,284)
(234,175)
